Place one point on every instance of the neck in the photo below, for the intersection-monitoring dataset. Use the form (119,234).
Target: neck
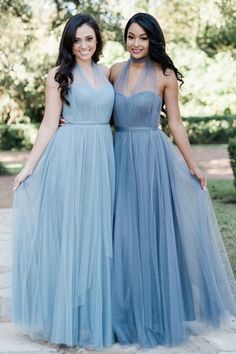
(139,60)
(84,64)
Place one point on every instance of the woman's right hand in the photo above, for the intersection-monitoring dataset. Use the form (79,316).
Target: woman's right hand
(25,172)
(62,121)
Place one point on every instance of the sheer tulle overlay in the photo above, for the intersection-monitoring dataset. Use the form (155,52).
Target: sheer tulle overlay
(172,276)
(63,226)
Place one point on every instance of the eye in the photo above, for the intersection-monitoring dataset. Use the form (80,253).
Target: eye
(90,39)
(144,38)
(130,37)
(76,40)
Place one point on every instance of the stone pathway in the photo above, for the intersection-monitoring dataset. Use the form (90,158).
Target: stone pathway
(214,161)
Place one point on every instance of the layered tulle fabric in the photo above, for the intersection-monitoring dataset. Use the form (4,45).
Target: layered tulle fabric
(62,245)
(171,272)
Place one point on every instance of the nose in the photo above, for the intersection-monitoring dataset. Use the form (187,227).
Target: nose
(83,44)
(136,42)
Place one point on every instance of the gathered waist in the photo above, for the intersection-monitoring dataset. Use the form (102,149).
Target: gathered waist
(127,129)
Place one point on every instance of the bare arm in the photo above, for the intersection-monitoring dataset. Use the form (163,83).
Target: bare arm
(115,71)
(48,127)
(177,128)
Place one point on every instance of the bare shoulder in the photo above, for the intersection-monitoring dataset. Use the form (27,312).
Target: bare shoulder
(118,66)
(170,78)
(169,74)
(116,69)
(51,77)
(105,70)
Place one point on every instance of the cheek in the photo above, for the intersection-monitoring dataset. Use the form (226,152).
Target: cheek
(146,48)
(128,44)
(93,47)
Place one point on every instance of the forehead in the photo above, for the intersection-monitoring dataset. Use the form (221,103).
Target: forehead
(136,29)
(84,31)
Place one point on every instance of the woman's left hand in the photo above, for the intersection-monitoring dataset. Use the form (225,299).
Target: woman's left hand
(200,176)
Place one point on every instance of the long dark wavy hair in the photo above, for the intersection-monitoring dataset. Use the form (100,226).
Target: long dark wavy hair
(66,58)
(157,43)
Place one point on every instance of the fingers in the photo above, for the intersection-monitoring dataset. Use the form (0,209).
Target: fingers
(16,184)
(202,179)
(203,183)
(61,122)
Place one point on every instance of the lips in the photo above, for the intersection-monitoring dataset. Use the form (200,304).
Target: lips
(86,52)
(137,51)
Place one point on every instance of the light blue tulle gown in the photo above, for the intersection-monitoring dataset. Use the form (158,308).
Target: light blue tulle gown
(171,273)
(62,236)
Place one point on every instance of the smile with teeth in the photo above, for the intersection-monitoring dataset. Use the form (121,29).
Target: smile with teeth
(84,52)
(137,50)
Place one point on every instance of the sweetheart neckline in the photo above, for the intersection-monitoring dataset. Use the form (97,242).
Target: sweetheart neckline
(138,93)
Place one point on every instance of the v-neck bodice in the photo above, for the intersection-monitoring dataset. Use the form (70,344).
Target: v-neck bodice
(88,103)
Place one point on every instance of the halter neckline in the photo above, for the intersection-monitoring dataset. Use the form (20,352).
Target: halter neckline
(139,60)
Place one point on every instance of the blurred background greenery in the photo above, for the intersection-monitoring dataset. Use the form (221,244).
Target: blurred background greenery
(201,39)
(200,34)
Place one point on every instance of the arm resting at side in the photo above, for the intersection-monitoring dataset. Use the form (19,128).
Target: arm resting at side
(177,128)
(48,127)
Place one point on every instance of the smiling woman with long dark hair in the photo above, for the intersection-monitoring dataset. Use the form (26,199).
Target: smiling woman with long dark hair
(63,203)
(171,271)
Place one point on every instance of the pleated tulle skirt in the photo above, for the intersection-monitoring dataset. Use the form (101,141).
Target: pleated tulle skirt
(171,273)
(62,240)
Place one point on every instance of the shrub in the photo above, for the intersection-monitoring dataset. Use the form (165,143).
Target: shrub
(232,156)
(17,136)
(208,130)
(3,169)
(201,130)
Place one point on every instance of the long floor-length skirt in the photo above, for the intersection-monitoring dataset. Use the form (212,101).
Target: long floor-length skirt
(62,240)
(171,271)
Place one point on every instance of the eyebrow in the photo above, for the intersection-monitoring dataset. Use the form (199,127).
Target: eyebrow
(90,35)
(142,34)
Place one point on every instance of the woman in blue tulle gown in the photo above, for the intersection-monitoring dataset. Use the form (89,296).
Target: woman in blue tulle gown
(62,236)
(171,272)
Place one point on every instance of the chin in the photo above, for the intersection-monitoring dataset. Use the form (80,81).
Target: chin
(138,55)
(85,58)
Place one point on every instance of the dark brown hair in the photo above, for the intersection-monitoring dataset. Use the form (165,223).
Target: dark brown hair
(157,44)
(66,58)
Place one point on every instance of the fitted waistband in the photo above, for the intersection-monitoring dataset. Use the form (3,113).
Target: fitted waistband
(126,129)
(85,123)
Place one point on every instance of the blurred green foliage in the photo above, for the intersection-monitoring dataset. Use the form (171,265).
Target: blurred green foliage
(201,39)
(201,130)
(232,155)
(3,169)
(30,34)
(19,136)
(209,130)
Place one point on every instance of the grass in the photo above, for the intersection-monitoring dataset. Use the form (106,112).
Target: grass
(223,196)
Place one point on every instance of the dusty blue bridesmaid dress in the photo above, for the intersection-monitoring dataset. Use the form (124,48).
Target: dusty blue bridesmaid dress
(62,235)
(171,272)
